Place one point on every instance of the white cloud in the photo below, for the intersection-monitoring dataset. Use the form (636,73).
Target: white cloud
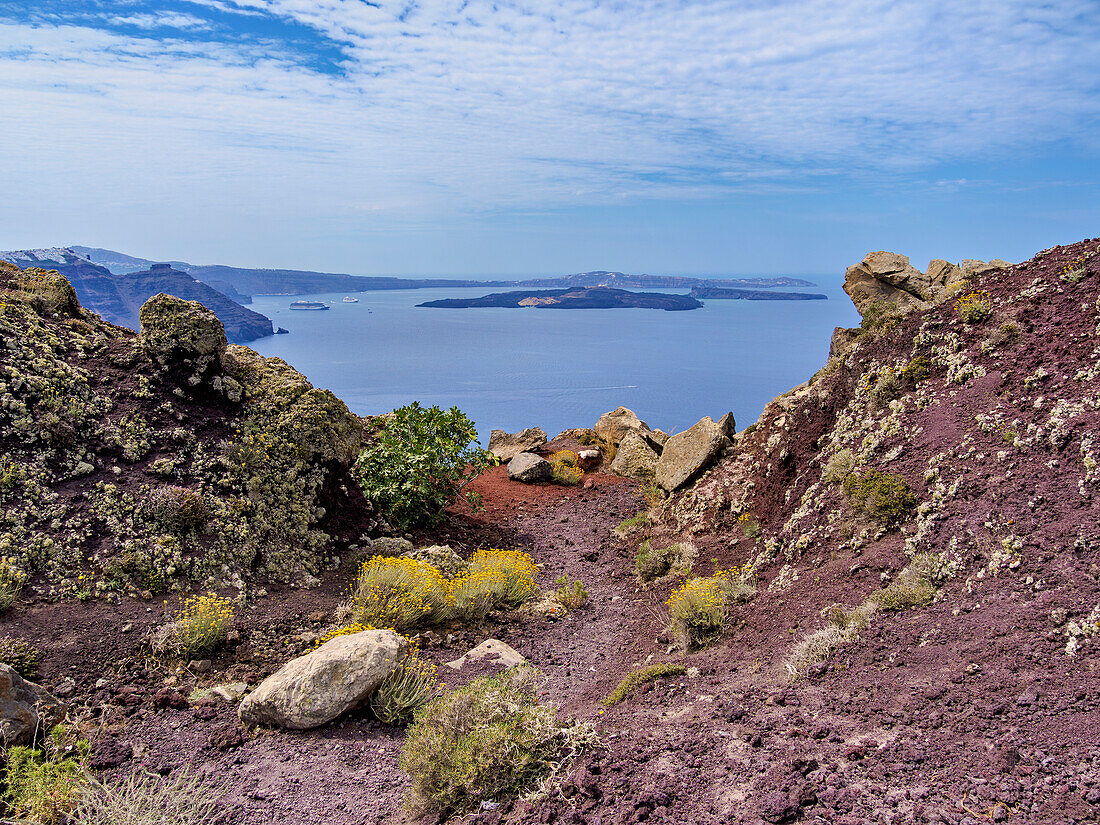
(173,20)
(446,106)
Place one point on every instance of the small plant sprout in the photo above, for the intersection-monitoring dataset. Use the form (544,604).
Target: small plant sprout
(570,594)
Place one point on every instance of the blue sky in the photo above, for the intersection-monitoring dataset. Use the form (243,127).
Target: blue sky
(546,136)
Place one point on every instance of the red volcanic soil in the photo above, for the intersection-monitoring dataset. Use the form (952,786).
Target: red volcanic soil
(973,708)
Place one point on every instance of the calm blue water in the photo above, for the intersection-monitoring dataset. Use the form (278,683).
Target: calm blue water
(554,368)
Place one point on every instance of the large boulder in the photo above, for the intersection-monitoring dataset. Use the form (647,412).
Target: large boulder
(635,458)
(507,446)
(25,708)
(613,428)
(320,686)
(530,469)
(688,453)
(179,333)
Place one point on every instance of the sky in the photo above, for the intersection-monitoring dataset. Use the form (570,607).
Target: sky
(548,136)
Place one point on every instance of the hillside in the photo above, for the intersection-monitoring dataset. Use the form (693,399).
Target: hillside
(118,297)
(905,546)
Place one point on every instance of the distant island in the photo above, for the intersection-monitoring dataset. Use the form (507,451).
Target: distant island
(727,293)
(596,297)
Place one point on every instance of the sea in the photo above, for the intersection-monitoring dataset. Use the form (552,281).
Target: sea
(557,368)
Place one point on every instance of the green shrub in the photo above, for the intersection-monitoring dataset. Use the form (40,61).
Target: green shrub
(418,461)
(486,741)
(20,655)
(143,798)
(634,522)
(45,785)
(407,689)
(884,497)
(400,593)
(915,371)
(750,525)
(570,594)
(699,607)
(639,677)
(652,563)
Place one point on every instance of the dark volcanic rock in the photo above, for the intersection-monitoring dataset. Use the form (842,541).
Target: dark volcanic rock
(583,298)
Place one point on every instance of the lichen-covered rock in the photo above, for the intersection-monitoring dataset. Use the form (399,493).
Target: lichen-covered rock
(315,420)
(178,333)
(635,458)
(48,288)
(690,452)
(320,686)
(507,446)
(25,708)
(530,469)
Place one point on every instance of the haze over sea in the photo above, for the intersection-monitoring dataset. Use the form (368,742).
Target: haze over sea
(555,368)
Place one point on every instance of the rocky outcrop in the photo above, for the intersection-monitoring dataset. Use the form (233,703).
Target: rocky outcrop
(530,469)
(25,708)
(635,458)
(316,688)
(507,446)
(688,453)
(886,277)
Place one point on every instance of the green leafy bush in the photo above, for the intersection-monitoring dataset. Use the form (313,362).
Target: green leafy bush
(884,497)
(880,316)
(488,740)
(418,461)
(639,677)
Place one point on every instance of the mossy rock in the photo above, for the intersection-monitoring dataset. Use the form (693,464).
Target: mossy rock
(44,287)
(175,332)
(321,424)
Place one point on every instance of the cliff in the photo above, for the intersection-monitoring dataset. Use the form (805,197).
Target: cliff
(118,297)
